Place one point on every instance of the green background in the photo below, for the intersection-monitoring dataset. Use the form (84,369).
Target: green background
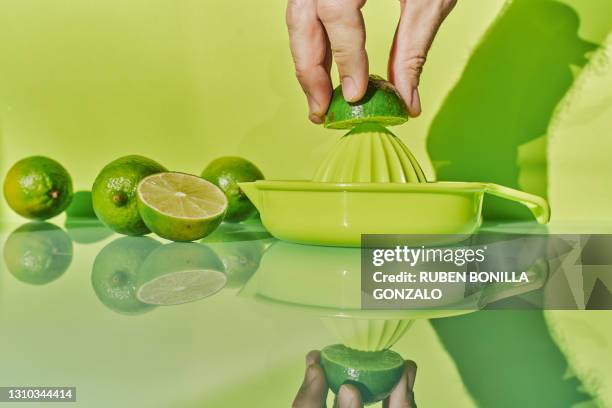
(518,93)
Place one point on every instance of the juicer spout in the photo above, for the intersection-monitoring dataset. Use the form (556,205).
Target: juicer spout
(253,193)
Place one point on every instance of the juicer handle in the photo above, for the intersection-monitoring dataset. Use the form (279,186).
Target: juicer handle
(537,205)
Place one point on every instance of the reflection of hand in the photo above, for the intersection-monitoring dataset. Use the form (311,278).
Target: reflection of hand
(320,29)
(313,391)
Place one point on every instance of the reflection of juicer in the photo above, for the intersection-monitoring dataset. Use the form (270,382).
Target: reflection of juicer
(371,184)
(326,283)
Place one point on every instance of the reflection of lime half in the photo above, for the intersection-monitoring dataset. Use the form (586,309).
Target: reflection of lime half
(114,273)
(180,207)
(374,373)
(179,273)
(381,104)
(38,253)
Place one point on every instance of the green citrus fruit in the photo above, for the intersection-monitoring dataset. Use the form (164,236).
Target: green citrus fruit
(180,272)
(38,253)
(81,206)
(240,260)
(38,188)
(226,173)
(113,276)
(114,193)
(374,373)
(81,222)
(381,104)
(180,207)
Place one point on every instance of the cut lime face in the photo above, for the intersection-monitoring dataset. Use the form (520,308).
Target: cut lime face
(180,272)
(182,287)
(381,104)
(374,373)
(180,207)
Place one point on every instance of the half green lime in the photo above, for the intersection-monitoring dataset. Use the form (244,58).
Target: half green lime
(374,373)
(180,207)
(381,104)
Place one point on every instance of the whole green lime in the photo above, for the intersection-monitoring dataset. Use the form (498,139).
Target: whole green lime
(38,188)
(381,104)
(114,193)
(374,373)
(38,253)
(115,270)
(81,206)
(81,222)
(226,173)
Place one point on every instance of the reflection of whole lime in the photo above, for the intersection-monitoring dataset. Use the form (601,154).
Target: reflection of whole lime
(114,193)
(38,253)
(240,260)
(114,273)
(374,373)
(226,173)
(38,188)
(81,222)
(180,272)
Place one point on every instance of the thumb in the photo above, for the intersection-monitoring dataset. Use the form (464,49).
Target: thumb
(313,391)
(418,25)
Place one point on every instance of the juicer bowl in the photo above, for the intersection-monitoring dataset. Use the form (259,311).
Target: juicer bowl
(337,214)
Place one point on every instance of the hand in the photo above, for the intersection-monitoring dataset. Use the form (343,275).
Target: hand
(320,29)
(313,391)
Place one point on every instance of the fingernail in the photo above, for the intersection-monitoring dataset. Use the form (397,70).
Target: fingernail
(314,106)
(310,375)
(411,371)
(346,398)
(414,105)
(310,359)
(349,89)
(315,119)
(315,111)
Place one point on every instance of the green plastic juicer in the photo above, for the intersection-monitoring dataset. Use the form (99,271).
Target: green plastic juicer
(370,183)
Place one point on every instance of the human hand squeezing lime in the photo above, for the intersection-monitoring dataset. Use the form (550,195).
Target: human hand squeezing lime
(314,388)
(320,30)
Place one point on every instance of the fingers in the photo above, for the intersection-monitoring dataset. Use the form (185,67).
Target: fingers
(418,25)
(348,397)
(402,395)
(311,55)
(344,25)
(313,391)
